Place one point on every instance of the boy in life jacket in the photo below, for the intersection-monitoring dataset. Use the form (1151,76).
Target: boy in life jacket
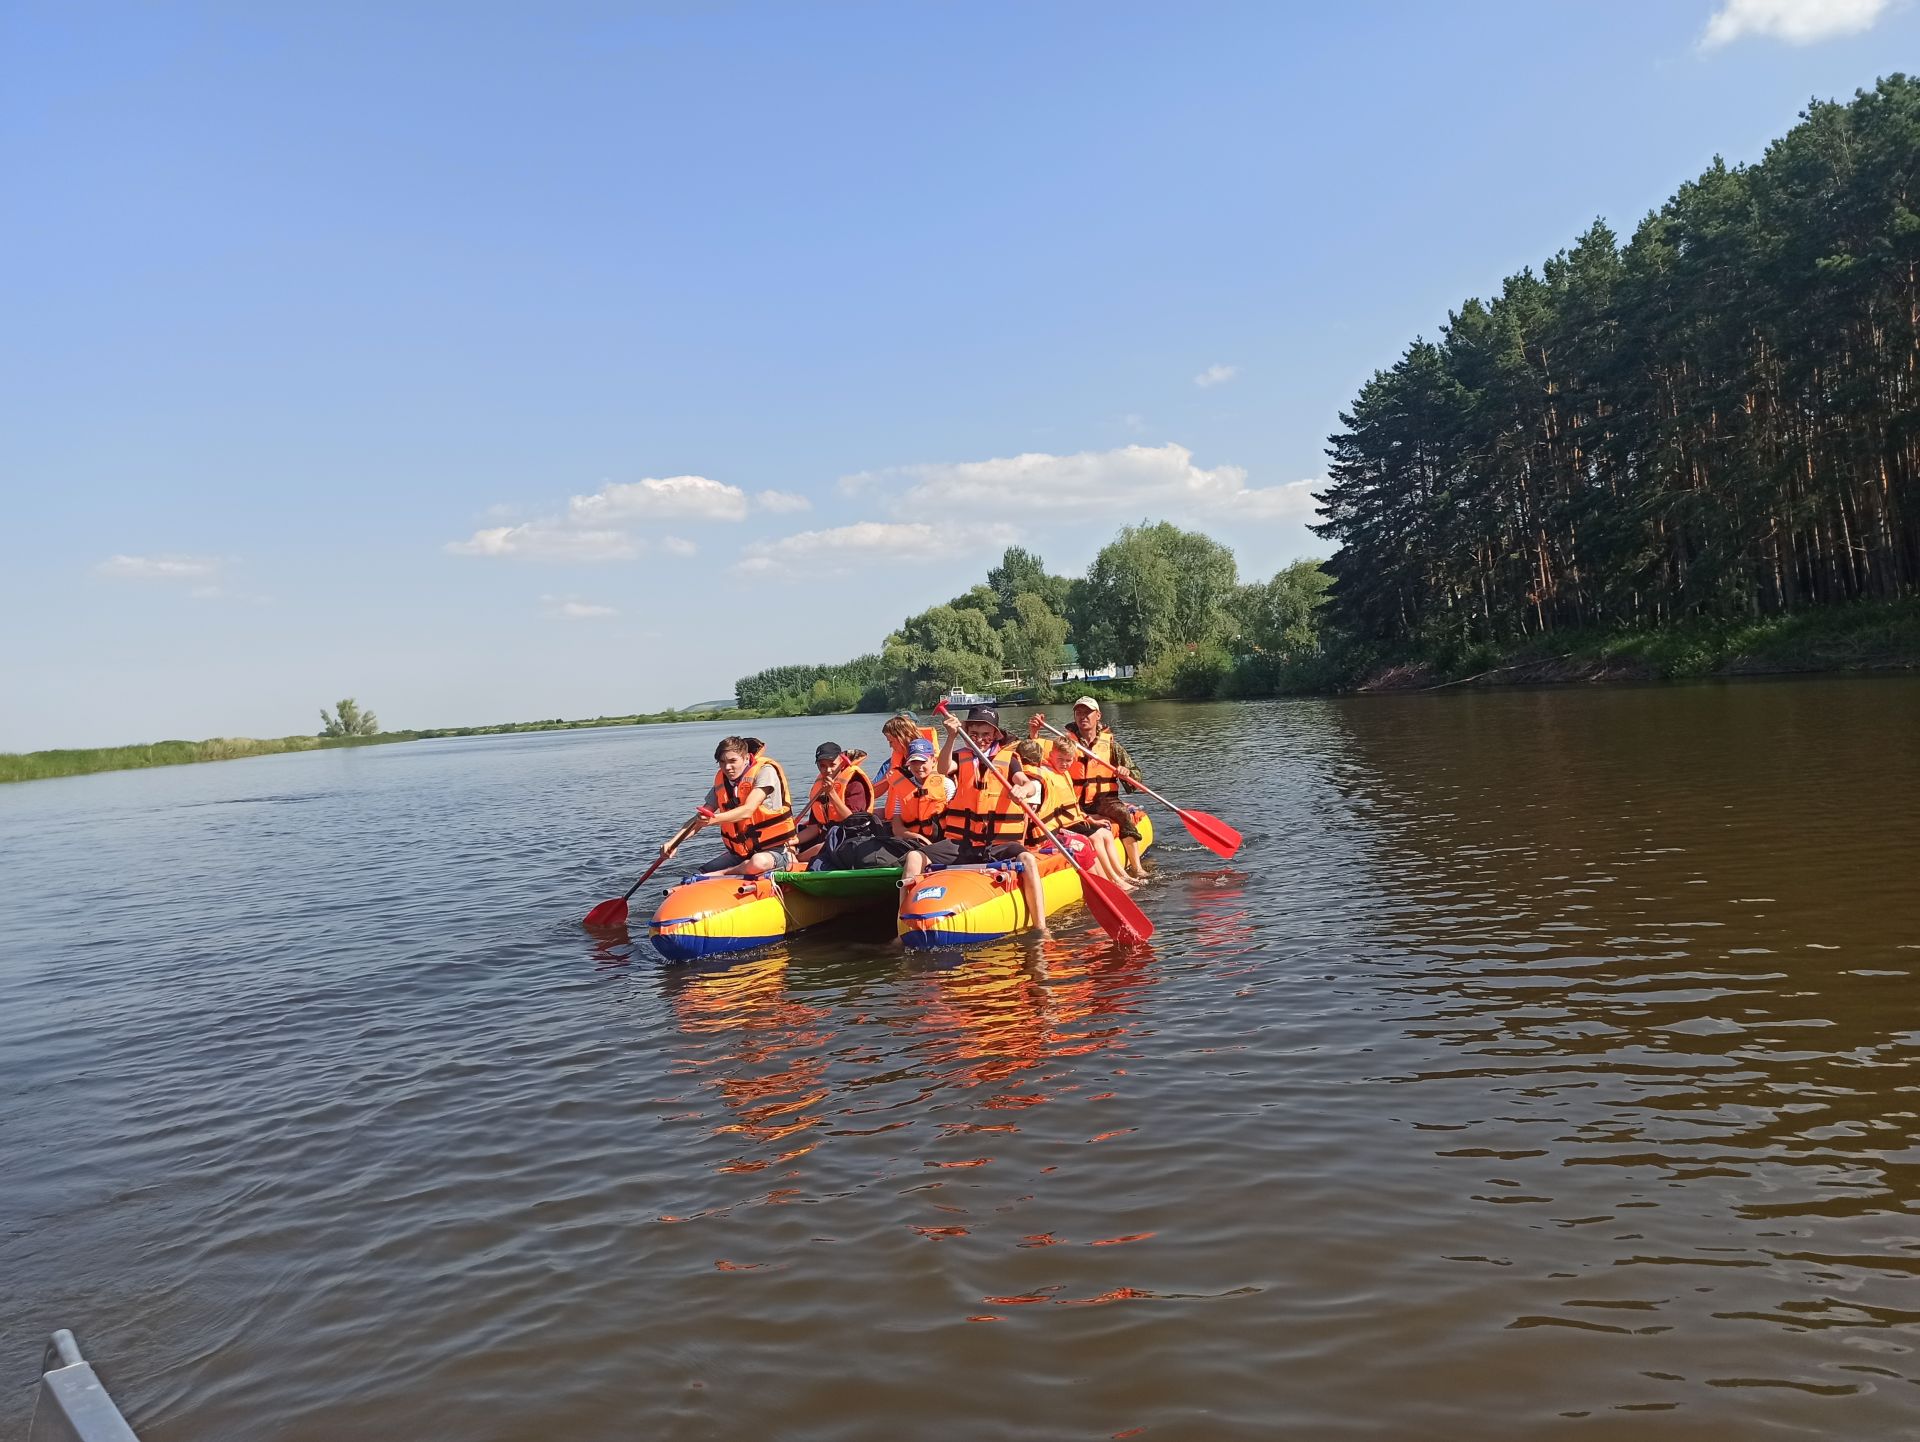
(901,731)
(982,821)
(1097,779)
(839,790)
(1050,792)
(911,808)
(753,807)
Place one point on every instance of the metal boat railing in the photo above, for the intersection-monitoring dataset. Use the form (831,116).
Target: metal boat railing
(73,1405)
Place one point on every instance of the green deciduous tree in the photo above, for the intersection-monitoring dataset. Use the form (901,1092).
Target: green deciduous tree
(1152,589)
(347,719)
(1280,617)
(941,647)
(1034,642)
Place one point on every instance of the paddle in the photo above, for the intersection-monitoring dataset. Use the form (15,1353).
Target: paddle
(1210,831)
(614,913)
(1111,907)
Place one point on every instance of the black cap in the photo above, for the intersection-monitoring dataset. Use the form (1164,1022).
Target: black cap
(989,714)
(826,751)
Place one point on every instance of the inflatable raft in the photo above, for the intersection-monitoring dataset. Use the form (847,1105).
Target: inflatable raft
(709,916)
(718,915)
(960,905)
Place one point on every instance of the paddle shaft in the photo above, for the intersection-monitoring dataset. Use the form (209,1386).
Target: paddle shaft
(1210,831)
(661,860)
(1122,777)
(1032,815)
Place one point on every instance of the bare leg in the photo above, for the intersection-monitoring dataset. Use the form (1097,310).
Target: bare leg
(1036,894)
(1107,853)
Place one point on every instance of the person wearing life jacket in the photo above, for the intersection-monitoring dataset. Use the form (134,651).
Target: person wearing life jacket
(1097,779)
(901,731)
(839,791)
(912,807)
(1050,792)
(980,813)
(752,805)
(982,821)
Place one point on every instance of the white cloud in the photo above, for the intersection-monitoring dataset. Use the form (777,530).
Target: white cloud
(547,541)
(597,527)
(833,551)
(678,546)
(782,502)
(1123,484)
(158,568)
(672,498)
(1215,375)
(566,608)
(1798,22)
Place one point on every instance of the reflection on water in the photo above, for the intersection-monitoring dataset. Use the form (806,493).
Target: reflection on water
(1547,1060)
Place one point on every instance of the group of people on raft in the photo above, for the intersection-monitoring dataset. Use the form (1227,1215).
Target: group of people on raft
(955,806)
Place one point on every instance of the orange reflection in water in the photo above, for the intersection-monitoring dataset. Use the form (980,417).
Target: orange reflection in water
(981,1022)
(771,1068)
(1006,1011)
(1223,921)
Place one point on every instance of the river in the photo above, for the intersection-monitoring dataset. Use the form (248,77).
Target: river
(1546,1065)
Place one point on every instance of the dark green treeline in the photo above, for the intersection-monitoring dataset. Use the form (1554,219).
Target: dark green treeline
(1717,420)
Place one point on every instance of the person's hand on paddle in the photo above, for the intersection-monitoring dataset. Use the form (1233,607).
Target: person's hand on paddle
(1033,726)
(672,843)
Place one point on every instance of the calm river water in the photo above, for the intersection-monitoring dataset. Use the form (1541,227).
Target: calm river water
(1549,1065)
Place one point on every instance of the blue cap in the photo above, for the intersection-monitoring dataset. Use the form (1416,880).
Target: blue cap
(920,747)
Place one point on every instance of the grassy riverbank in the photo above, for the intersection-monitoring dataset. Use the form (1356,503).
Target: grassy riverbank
(1870,636)
(45,765)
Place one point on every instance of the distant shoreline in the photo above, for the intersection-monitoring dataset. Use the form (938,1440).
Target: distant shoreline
(1861,639)
(89,761)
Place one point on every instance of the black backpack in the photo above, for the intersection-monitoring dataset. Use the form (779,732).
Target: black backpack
(858,844)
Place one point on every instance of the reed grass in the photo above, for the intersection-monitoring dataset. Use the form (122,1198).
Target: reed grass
(44,765)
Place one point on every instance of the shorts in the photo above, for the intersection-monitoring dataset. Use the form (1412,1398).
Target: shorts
(783,860)
(1079,844)
(1111,808)
(951,853)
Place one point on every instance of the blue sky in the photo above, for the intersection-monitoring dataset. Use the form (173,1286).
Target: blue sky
(498,362)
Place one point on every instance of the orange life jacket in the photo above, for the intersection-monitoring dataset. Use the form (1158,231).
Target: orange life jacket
(896,767)
(827,803)
(1092,779)
(771,825)
(1058,805)
(982,812)
(913,806)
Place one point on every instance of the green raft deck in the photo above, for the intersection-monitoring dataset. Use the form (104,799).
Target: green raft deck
(871,882)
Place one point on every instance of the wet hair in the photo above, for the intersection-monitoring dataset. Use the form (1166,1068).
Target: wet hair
(900,728)
(745,745)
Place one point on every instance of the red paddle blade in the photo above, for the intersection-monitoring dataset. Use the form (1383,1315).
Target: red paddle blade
(1114,909)
(1211,832)
(608,913)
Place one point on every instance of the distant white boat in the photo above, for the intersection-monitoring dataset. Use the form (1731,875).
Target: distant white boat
(960,696)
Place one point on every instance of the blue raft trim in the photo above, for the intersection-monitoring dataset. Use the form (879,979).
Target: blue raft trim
(928,940)
(688,946)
